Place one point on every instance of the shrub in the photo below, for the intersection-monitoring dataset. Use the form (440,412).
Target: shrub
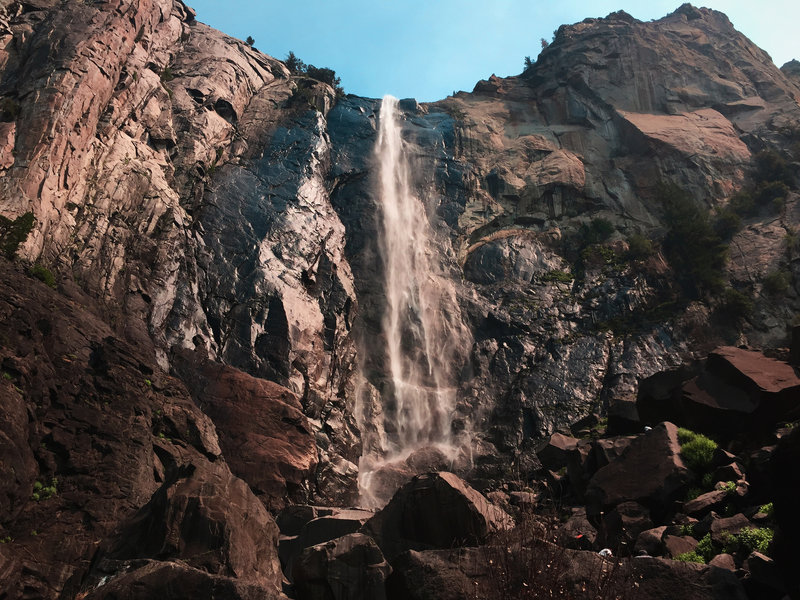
(772,167)
(696,449)
(13,233)
(43,274)
(735,305)
(705,548)
(776,283)
(639,247)
(695,251)
(323,74)
(249,41)
(727,223)
(749,539)
(597,231)
(556,277)
(692,556)
(768,509)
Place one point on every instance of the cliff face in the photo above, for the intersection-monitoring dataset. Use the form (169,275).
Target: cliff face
(216,216)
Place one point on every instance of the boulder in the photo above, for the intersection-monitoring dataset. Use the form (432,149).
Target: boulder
(209,520)
(650,542)
(577,533)
(554,455)
(765,578)
(168,580)
(436,510)
(678,544)
(704,503)
(721,528)
(723,561)
(351,567)
(331,524)
(621,526)
(291,519)
(650,471)
(266,438)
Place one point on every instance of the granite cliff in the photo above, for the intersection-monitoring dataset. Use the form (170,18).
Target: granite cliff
(208,219)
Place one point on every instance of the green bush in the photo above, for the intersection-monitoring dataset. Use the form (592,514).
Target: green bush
(13,233)
(43,274)
(768,509)
(749,539)
(556,277)
(705,548)
(776,283)
(9,109)
(770,166)
(692,556)
(639,247)
(727,223)
(323,74)
(735,305)
(696,449)
(597,231)
(694,250)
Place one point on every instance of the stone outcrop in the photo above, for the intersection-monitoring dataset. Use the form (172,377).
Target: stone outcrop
(263,432)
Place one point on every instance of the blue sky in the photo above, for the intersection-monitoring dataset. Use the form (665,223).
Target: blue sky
(429,49)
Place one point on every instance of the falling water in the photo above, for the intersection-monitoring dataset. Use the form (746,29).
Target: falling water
(424,335)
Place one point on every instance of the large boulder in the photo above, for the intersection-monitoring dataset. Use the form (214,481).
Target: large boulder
(206,518)
(148,579)
(266,438)
(435,510)
(351,567)
(650,471)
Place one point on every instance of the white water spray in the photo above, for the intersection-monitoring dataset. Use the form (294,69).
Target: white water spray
(425,338)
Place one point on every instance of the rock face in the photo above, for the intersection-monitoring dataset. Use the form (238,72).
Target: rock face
(209,215)
(264,434)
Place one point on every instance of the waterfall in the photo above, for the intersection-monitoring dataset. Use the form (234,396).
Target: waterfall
(425,338)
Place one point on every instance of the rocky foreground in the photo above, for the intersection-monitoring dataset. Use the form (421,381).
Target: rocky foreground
(192,362)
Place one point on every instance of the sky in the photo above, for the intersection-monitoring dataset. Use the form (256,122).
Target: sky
(428,49)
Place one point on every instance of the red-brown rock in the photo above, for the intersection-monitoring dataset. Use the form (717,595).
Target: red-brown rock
(650,471)
(263,432)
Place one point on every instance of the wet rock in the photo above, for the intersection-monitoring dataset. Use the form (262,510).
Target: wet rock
(346,568)
(437,510)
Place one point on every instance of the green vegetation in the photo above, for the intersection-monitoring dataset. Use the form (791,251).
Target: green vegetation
(696,449)
(250,41)
(749,539)
(167,75)
(768,509)
(556,277)
(639,247)
(693,248)
(729,487)
(323,74)
(776,283)
(735,305)
(705,548)
(7,376)
(13,233)
(43,492)
(43,274)
(692,556)
(148,383)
